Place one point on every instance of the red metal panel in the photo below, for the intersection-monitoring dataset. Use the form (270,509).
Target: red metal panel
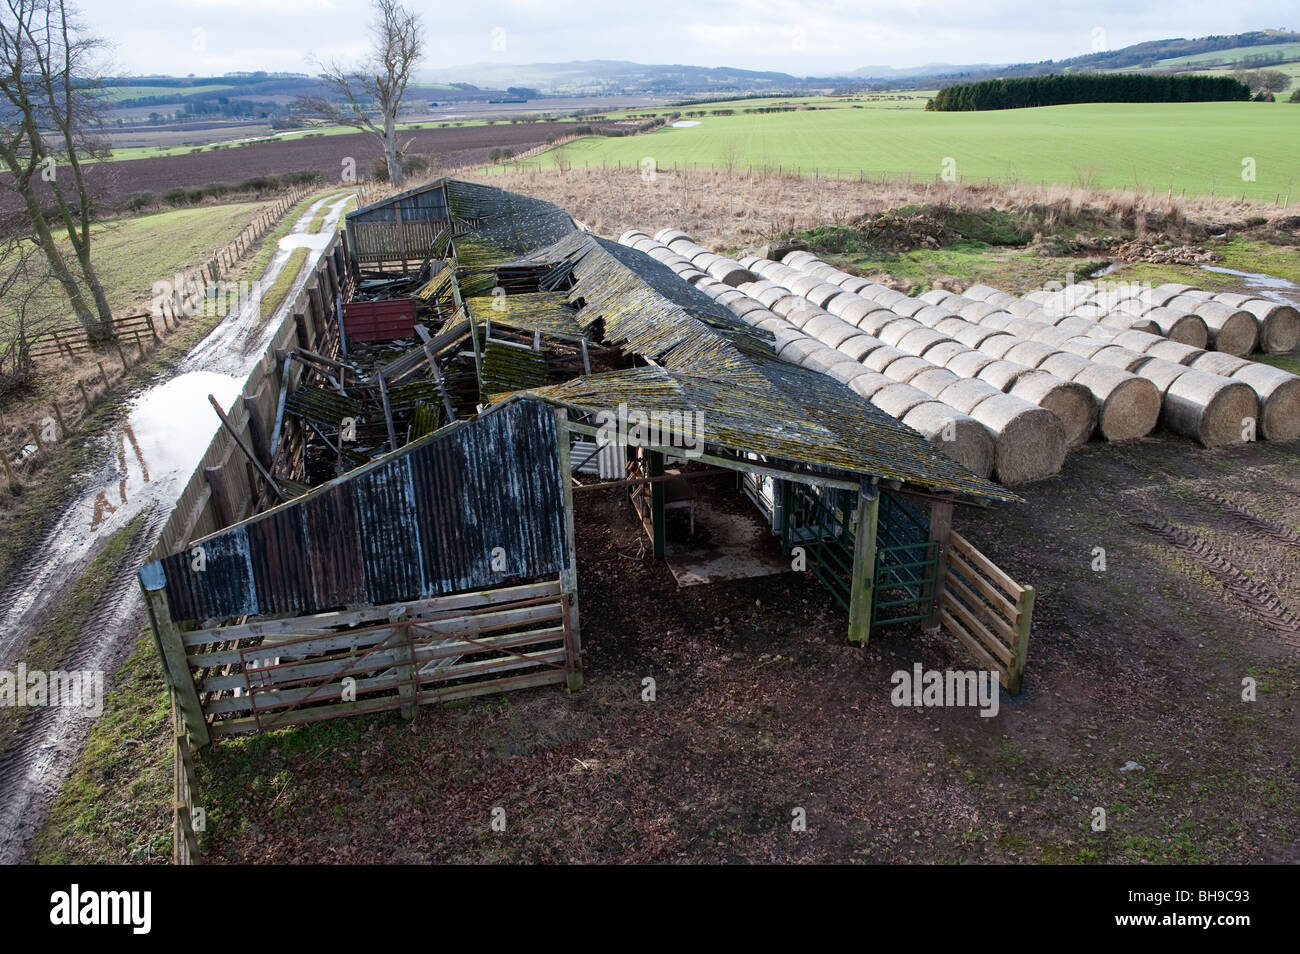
(379,320)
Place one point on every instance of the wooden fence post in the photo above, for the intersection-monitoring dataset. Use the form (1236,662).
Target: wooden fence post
(1017,670)
(569,575)
(863,579)
(171,650)
(940,530)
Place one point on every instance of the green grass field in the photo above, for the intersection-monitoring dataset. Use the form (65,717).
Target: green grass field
(115,94)
(1288,50)
(130,254)
(1196,148)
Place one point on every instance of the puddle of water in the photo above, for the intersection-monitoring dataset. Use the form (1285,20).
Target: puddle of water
(173,423)
(685,123)
(1255,279)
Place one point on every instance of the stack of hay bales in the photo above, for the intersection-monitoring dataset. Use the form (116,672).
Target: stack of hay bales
(1195,401)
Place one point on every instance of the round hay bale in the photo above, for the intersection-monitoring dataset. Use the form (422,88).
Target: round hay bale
(1064,365)
(931,315)
(898,399)
(801,257)
(1001,300)
(830,330)
(1231,330)
(1022,327)
(958,435)
(876,321)
(965,394)
(869,383)
(787,304)
(726,298)
(880,358)
(845,370)
(1030,353)
(1025,309)
(1052,337)
(979,292)
(696,276)
(1002,374)
(1080,327)
(1083,347)
(1138,341)
(1173,351)
(1199,294)
(889,297)
(781,337)
(1208,408)
(859,346)
(823,293)
(854,284)
(1029,441)
(955,303)
(1180,326)
(1127,406)
(1279,324)
(729,273)
(999,345)
(972,336)
(745,305)
(667,236)
(796,349)
(952,326)
(850,307)
(803,284)
(1072,403)
(976,310)
(749,261)
(684,247)
(935,296)
(919,340)
(803,315)
(999,321)
(771,295)
(897,330)
(631,235)
(821,359)
(943,352)
(1279,393)
(1216,362)
(1122,358)
(703,260)
(967,364)
(904,369)
(1161,373)
(772,324)
(907,307)
(932,381)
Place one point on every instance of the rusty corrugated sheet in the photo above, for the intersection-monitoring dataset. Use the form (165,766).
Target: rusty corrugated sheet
(379,320)
(422,522)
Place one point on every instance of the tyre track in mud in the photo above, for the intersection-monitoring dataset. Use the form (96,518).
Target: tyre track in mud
(49,739)
(1258,597)
(1261,527)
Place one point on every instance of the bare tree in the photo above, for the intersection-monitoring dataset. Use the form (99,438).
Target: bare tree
(49,88)
(372,93)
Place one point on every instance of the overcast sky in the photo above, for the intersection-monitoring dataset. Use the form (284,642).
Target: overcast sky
(803,37)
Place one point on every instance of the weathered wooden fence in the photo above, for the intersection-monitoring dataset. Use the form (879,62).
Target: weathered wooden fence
(988,612)
(135,336)
(185,836)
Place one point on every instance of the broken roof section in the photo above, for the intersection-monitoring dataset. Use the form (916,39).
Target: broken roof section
(703,358)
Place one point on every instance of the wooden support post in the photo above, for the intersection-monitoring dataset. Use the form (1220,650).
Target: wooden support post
(862,583)
(940,530)
(58,416)
(84,396)
(404,662)
(239,441)
(103,374)
(657,495)
(36,436)
(279,406)
(388,412)
(171,650)
(220,496)
(1017,670)
(121,354)
(14,485)
(569,575)
(257,431)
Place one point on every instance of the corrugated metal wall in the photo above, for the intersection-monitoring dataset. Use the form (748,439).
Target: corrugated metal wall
(420,523)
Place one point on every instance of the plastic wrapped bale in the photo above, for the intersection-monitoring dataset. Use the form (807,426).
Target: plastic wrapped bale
(1177,352)
(1072,403)
(907,307)
(897,330)
(1002,374)
(1116,357)
(932,315)
(846,369)
(999,345)
(920,340)
(1128,406)
(1279,393)
(668,235)
(730,273)
(1181,326)
(1209,408)
(859,346)
(830,330)
(958,435)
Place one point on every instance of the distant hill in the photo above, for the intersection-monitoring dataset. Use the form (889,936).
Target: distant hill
(598,77)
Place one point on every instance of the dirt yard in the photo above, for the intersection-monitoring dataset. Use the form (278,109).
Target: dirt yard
(762,707)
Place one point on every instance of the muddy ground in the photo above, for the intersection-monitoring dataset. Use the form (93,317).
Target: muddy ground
(762,707)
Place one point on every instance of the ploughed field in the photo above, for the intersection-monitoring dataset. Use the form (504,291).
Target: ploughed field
(115,181)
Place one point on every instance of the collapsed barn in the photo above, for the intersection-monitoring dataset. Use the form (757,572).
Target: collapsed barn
(488,363)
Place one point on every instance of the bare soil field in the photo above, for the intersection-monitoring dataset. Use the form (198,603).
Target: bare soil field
(115,181)
(762,708)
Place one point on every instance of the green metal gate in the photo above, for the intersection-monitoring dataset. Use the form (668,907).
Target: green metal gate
(820,521)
